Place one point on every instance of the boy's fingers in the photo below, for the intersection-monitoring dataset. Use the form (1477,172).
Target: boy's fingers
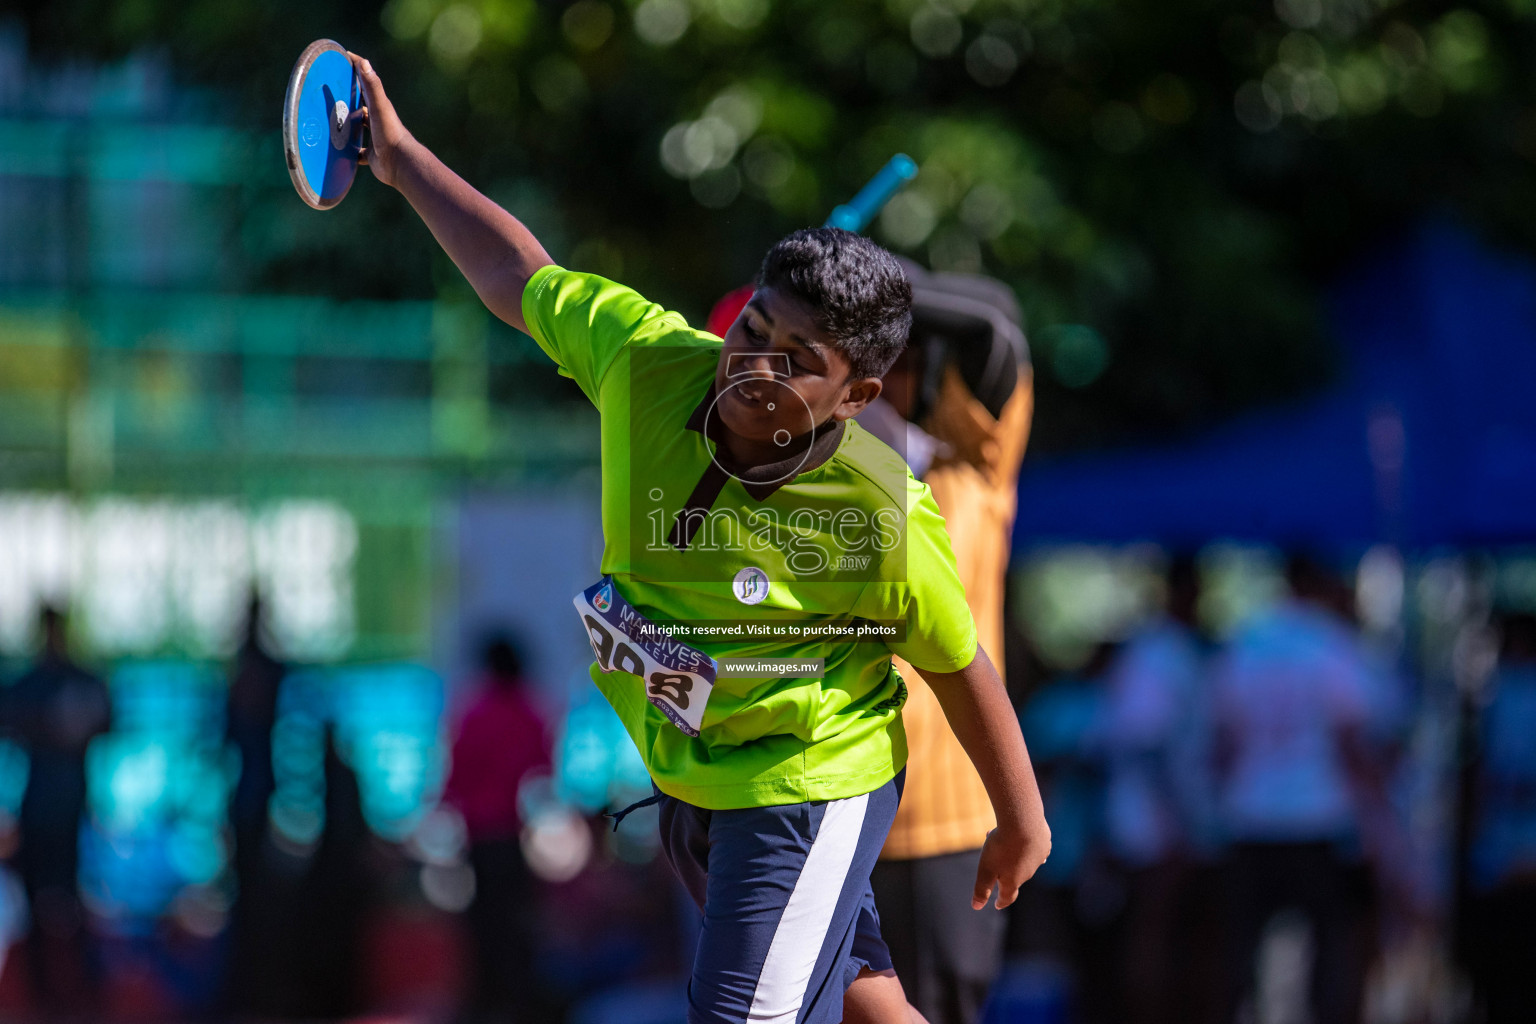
(372,87)
(983,889)
(1006,898)
(366,75)
(361,113)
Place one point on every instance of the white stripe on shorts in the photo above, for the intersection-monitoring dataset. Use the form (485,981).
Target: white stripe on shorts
(802,931)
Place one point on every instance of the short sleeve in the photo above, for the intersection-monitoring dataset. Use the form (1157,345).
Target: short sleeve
(583,322)
(919,584)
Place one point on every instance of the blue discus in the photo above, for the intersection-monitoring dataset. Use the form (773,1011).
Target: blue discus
(322,126)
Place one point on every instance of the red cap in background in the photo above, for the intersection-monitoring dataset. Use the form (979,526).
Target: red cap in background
(728,309)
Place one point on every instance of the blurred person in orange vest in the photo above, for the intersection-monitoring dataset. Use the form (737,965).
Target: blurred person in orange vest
(957,406)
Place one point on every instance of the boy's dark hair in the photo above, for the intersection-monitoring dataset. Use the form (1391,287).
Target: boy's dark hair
(860,295)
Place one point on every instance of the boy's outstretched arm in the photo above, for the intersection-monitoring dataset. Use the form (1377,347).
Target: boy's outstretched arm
(489,245)
(978,710)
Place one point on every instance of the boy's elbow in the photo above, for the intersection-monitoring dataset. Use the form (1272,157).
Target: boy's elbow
(504,299)
(512,316)
(501,286)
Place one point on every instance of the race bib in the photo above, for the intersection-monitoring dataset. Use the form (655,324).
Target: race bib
(677,678)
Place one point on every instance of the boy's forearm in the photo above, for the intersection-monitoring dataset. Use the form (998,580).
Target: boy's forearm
(978,710)
(492,248)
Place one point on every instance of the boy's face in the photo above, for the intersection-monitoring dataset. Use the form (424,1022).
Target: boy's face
(779,374)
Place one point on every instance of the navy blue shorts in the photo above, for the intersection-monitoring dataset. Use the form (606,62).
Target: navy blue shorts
(789,918)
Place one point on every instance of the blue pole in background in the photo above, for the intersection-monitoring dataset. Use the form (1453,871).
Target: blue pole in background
(856,214)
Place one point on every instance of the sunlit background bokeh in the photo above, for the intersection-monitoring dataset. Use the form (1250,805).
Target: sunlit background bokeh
(207,388)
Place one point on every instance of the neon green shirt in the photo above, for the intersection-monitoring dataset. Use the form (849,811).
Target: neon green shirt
(851,537)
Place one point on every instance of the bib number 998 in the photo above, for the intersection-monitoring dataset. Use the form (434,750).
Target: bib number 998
(616,655)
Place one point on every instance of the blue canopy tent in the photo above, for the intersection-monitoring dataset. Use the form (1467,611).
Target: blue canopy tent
(1428,437)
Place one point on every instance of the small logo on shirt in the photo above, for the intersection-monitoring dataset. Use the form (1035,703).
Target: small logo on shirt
(750,585)
(603,599)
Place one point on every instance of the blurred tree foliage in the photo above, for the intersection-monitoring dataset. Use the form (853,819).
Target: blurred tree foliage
(1168,183)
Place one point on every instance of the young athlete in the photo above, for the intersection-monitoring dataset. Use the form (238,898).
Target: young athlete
(740,501)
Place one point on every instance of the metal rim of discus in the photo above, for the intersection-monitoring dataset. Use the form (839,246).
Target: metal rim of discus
(291,155)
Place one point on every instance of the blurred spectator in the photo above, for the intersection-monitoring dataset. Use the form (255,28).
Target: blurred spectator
(334,901)
(250,714)
(502,737)
(1293,704)
(1063,723)
(1062,915)
(256,919)
(1156,806)
(1500,927)
(1155,812)
(54,711)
